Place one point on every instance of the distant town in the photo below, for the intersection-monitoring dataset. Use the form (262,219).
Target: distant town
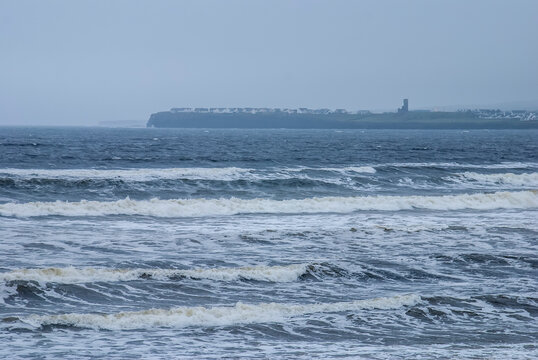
(305,118)
(523,115)
(250,110)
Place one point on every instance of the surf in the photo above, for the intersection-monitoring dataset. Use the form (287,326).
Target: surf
(233,206)
(72,275)
(240,313)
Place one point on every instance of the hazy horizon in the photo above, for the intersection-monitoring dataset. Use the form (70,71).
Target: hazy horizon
(81,63)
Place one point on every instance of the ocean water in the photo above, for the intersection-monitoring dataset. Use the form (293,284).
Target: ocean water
(171,243)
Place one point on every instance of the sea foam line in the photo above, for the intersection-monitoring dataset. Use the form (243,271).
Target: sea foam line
(214,316)
(139,174)
(503,165)
(149,174)
(342,170)
(72,275)
(232,206)
(525,179)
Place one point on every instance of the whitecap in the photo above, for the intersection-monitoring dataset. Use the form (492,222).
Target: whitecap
(140,174)
(525,179)
(72,275)
(232,206)
(213,316)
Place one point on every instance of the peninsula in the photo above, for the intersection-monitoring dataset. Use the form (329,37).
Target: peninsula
(303,118)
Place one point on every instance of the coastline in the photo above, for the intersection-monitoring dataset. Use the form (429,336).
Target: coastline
(283,120)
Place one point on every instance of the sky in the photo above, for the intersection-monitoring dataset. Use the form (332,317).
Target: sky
(83,62)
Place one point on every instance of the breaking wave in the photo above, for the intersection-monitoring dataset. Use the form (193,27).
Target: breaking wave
(232,206)
(214,316)
(525,179)
(71,275)
(503,165)
(140,174)
(150,174)
(344,170)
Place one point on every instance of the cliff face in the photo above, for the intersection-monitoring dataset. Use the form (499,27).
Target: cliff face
(333,120)
(251,120)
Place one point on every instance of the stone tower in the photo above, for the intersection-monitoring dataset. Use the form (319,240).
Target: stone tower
(405,106)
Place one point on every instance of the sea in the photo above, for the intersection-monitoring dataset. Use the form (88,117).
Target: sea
(268,244)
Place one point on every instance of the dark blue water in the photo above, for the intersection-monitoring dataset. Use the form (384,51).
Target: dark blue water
(167,243)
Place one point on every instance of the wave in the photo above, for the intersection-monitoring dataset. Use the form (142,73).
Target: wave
(233,206)
(525,179)
(141,174)
(482,308)
(488,259)
(215,316)
(343,170)
(357,169)
(149,174)
(227,173)
(503,165)
(71,275)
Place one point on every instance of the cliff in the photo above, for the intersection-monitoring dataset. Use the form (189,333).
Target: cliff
(326,119)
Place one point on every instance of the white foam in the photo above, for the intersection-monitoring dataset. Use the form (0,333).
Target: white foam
(525,179)
(71,275)
(141,174)
(148,174)
(503,165)
(214,316)
(356,169)
(345,169)
(232,206)
(5,292)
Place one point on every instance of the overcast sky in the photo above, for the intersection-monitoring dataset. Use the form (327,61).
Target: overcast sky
(81,62)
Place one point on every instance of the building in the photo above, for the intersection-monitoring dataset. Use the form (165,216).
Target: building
(405,106)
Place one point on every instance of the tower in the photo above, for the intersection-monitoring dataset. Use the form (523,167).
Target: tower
(405,106)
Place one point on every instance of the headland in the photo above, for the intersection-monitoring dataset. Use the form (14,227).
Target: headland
(304,118)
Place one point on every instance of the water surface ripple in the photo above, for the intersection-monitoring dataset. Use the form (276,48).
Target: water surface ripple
(172,243)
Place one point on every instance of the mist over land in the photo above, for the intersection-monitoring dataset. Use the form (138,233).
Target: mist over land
(205,237)
(81,63)
(304,118)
